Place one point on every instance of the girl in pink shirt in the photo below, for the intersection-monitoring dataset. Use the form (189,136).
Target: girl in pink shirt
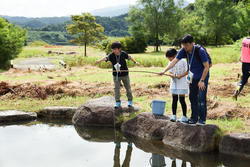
(245,58)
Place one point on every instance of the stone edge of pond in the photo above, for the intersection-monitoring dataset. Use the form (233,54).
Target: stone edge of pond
(101,112)
(236,144)
(13,117)
(56,112)
(206,138)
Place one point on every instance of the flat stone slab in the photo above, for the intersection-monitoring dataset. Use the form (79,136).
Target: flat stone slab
(57,112)
(101,112)
(193,138)
(13,116)
(236,144)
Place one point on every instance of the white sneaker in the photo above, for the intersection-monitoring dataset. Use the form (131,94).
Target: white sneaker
(173,118)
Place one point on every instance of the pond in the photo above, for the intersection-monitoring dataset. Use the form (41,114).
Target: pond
(50,145)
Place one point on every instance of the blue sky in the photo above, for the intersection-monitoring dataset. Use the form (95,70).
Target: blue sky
(50,8)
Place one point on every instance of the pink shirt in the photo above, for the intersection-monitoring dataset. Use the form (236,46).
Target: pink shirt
(245,51)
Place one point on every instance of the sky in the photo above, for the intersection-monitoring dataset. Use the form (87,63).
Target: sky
(51,8)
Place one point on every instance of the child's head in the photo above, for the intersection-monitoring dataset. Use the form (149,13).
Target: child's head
(171,54)
(116,47)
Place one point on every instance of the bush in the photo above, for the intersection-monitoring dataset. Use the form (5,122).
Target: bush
(12,39)
(129,45)
(238,44)
(38,43)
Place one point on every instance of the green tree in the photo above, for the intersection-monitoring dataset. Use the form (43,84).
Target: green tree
(159,18)
(85,30)
(243,20)
(217,17)
(137,30)
(12,39)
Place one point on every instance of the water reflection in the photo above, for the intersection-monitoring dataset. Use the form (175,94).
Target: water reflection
(58,145)
(127,159)
(157,160)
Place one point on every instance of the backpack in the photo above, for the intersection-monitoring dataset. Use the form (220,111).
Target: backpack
(196,52)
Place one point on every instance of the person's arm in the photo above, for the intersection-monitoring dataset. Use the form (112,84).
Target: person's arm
(171,65)
(184,66)
(201,83)
(204,58)
(133,60)
(100,60)
(171,75)
(182,75)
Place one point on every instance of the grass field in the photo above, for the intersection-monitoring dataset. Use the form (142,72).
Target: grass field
(226,54)
(223,75)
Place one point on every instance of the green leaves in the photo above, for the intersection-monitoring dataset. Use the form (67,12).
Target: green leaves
(12,39)
(86,30)
(155,17)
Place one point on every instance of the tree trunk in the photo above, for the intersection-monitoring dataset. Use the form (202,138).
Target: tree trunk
(157,43)
(85,49)
(216,40)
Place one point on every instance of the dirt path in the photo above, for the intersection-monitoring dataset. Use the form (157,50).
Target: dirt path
(36,63)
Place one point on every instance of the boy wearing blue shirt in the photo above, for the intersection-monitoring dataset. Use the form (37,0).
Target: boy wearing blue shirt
(198,75)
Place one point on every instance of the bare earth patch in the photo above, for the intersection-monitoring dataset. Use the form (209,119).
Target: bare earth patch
(223,87)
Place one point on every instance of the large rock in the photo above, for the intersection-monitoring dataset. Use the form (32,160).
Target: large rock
(181,136)
(236,144)
(194,138)
(146,126)
(57,112)
(13,117)
(100,112)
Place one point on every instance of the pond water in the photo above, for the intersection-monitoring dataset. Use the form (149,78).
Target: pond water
(50,145)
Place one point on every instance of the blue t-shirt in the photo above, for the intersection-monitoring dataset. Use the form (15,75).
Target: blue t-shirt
(196,64)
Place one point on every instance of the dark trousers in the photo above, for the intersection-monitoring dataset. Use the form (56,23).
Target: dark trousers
(245,74)
(198,100)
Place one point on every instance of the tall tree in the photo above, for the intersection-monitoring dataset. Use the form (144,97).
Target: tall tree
(159,18)
(243,20)
(217,16)
(12,39)
(86,30)
(137,28)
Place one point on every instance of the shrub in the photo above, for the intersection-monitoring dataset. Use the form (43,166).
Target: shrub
(12,39)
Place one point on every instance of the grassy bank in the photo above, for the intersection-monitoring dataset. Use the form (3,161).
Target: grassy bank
(225,54)
(145,87)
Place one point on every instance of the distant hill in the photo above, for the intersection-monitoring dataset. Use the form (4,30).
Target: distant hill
(111,11)
(36,22)
(53,29)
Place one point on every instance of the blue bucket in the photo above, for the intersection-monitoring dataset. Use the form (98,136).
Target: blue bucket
(158,107)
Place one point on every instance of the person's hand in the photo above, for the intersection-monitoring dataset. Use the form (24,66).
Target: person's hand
(136,63)
(178,77)
(201,85)
(161,73)
(172,76)
(97,62)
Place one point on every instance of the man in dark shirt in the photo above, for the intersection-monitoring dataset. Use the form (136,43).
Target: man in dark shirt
(198,76)
(118,60)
